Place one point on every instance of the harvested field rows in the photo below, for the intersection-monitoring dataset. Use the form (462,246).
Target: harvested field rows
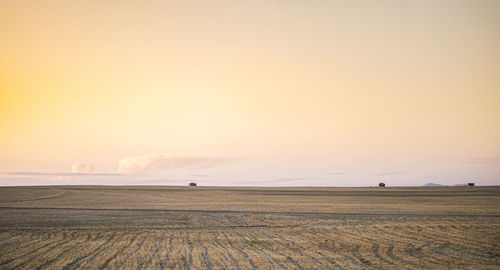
(45,237)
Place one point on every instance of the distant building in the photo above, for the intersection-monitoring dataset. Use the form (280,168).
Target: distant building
(470,184)
(192,184)
(381,184)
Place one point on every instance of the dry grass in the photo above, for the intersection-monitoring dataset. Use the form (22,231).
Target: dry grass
(249,228)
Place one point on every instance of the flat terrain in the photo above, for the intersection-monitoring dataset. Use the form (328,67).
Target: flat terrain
(145,227)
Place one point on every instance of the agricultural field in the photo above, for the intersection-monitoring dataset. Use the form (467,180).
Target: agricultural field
(146,227)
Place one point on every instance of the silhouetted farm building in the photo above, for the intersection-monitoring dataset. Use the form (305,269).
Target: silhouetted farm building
(381,184)
(192,184)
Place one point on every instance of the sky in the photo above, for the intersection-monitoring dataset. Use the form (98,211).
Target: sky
(264,93)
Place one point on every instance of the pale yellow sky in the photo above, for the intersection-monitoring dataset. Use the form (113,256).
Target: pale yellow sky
(250,92)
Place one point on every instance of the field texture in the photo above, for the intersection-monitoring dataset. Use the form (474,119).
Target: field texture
(89,227)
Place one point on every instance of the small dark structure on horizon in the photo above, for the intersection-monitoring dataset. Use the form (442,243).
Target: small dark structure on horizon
(192,184)
(381,184)
(470,184)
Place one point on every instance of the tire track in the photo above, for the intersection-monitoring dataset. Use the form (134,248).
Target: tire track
(139,246)
(243,253)
(158,248)
(287,257)
(47,197)
(438,237)
(391,255)
(226,254)
(315,244)
(115,255)
(188,252)
(204,253)
(375,239)
(297,247)
(335,251)
(391,236)
(10,239)
(394,235)
(22,246)
(469,244)
(62,254)
(366,237)
(169,250)
(53,245)
(265,255)
(393,260)
(379,257)
(76,263)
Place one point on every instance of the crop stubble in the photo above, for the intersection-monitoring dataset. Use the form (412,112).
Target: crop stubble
(220,228)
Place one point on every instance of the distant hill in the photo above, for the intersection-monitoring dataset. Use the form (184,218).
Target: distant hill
(439,185)
(433,185)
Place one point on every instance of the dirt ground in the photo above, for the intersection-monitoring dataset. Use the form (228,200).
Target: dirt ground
(145,227)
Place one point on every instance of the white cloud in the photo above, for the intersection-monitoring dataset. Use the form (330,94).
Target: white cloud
(79,167)
(152,162)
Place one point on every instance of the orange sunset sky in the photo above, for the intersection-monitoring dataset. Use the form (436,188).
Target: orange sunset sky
(268,93)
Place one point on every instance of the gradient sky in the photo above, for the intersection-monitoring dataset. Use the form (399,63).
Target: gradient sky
(273,93)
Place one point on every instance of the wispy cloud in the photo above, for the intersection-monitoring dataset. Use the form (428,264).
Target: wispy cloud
(389,173)
(153,162)
(199,175)
(290,179)
(483,160)
(59,174)
(278,181)
(336,173)
(128,166)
